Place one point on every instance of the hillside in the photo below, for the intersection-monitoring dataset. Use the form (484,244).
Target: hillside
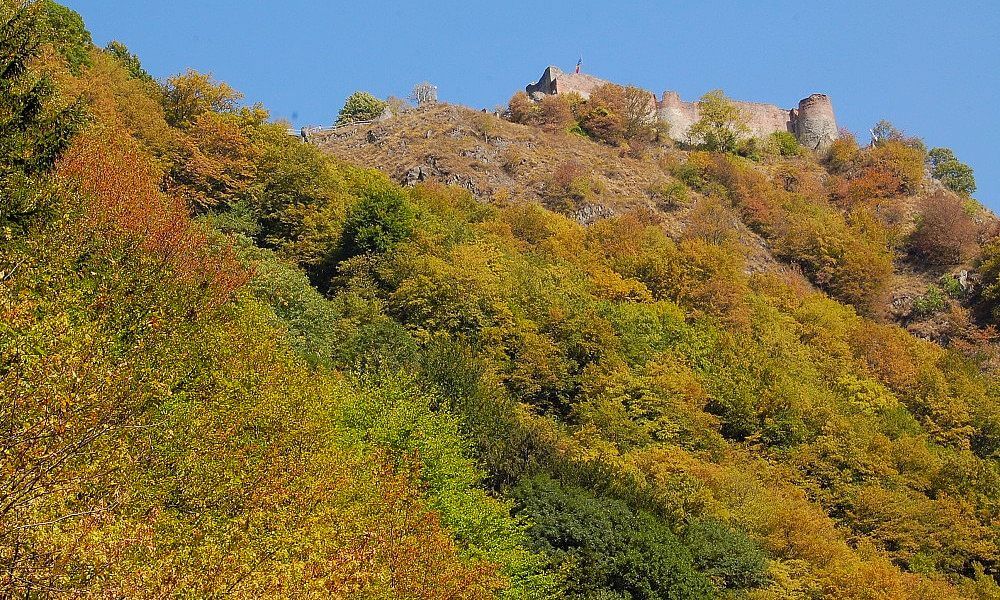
(503,162)
(452,355)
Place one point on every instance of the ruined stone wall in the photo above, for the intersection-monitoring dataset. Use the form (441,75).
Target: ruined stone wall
(555,81)
(813,122)
(679,115)
(765,119)
(762,119)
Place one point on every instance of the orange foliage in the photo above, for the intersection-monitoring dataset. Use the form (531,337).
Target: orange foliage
(556,112)
(873,183)
(115,99)
(946,234)
(406,539)
(124,202)
(552,113)
(215,163)
(842,153)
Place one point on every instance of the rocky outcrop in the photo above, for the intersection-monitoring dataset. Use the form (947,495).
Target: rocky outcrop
(813,122)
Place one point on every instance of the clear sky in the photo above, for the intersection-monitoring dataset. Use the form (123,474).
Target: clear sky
(932,68)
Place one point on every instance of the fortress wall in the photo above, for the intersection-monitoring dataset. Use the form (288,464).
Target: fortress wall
(679,115)
(555,81)
(765,119)
(762,119)
(578,82)
(813,123)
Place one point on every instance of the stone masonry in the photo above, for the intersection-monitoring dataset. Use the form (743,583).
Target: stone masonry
(813,122)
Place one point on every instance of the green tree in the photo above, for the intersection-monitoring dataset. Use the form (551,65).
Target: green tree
(360,106)
(722,123)
(605,547)
(727,555)
(130,61)
(954,174)
(381,219)
(786,143)
(34,128)
(64,29)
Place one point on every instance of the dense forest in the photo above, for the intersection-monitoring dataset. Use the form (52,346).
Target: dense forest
(233,363)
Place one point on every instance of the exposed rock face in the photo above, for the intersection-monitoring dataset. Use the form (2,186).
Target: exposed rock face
(813,123)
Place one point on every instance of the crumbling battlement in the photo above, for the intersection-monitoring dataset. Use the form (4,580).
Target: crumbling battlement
(813,122)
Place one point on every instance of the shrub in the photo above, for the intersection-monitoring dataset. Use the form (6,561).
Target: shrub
(605,547)
(901,161)
(556,112)
(951,286)
(669,194)
(523,109)
(786,143)
(946,234)
(512,158)
(988,266)
(931,302)
(360,106)
(570,185)
(842,154)
(751,148)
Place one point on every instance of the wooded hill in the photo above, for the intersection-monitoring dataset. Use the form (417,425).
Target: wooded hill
(597,365)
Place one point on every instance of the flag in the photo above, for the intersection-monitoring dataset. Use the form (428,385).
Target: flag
(578,63)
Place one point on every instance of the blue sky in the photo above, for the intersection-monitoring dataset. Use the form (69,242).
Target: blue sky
(932,68)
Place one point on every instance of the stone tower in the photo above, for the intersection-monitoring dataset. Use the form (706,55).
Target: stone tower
(815,125)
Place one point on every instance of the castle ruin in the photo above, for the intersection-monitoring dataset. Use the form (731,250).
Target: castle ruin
(813,122)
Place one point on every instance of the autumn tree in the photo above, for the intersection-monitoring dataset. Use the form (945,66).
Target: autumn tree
(615,113)
(552,112)
(192,94)
(946,233)
(721,124)
(215,161)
